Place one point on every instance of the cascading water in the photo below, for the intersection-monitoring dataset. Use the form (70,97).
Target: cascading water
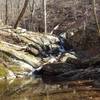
(52,54)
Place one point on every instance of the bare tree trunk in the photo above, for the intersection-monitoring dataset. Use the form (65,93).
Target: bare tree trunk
(6,15)
(75,8)
(45,15)
(95,16)
(18,6)
(21,14)
(32,7)
(32,10)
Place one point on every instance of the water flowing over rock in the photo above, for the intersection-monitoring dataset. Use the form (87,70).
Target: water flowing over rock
(28,53)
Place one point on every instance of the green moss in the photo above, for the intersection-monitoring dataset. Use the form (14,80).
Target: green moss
(3,71)
(15,69)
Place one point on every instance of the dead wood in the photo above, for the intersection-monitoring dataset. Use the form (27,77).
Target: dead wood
(21,14)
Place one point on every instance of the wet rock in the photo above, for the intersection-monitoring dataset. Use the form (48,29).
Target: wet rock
(32,50)
(53,69)
(10,75)
(66,56)
(6,73)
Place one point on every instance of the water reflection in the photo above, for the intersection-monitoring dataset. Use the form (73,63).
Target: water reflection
(37,89)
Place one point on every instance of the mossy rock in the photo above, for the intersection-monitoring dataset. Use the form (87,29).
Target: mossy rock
(3,71)
(16,69)
(4,57)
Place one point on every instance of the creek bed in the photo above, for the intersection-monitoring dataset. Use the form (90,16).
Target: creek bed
(36,89)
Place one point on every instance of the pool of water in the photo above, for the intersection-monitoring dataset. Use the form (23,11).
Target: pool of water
(37,89)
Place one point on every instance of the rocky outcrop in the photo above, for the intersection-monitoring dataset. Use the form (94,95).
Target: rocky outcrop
(24,53)
(23,49)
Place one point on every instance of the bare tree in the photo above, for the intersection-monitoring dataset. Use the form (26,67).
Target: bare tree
(32,7)
(95,16)
(45,15)
(6,12)
(75,8)
(18,6)
(32,11)
(21,14)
